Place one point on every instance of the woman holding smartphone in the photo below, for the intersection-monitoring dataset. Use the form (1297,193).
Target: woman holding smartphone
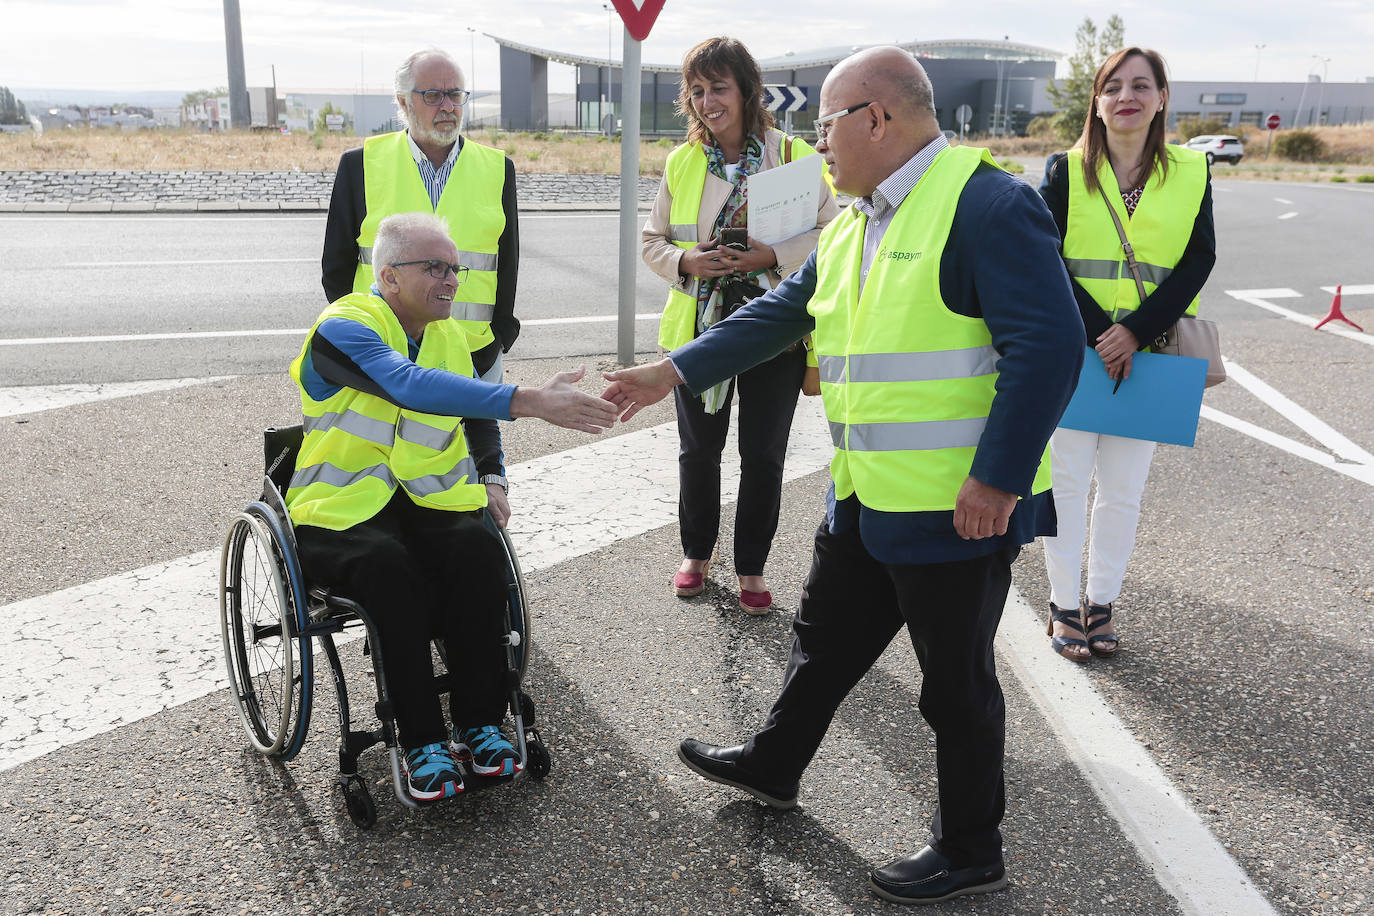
(697,239)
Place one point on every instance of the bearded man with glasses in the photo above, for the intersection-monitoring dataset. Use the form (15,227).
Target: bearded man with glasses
(431,168)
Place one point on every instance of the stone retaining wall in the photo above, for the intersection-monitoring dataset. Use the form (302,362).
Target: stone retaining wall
(260,190)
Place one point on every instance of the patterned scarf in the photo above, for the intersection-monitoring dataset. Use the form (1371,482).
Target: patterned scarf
(734,214)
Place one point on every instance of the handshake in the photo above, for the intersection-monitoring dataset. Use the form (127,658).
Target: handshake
(557,401)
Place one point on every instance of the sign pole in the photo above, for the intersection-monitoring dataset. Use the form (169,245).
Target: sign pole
(630,86)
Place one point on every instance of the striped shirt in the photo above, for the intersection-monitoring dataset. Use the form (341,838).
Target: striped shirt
(881,206)
(434,177)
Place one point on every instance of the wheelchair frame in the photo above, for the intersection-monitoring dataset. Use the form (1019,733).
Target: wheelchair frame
(269,616)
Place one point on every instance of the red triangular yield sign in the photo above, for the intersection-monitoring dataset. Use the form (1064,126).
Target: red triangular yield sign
(638,15)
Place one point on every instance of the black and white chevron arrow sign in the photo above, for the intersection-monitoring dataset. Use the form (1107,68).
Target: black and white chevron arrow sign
(784,98)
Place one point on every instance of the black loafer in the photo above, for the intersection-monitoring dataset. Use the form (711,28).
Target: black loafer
(928,877)
(723,765)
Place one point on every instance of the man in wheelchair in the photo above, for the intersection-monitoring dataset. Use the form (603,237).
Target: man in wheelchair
(401,455)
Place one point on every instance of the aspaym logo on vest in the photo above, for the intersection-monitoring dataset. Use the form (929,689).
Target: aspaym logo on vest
(889,254)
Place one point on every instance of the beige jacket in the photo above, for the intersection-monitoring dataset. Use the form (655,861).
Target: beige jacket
(663,256)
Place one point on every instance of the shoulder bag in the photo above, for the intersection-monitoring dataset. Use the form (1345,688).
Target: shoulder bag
(1194,337)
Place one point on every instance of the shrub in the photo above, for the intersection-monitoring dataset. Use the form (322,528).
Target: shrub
(1188,128)
(1339,179)
(1367,178)
(1299,146)
(1011,165)
(665,142)
(1041,126)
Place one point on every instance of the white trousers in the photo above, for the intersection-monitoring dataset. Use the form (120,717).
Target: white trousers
(1121,466)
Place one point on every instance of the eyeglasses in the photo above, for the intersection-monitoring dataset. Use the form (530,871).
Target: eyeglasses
(435,97)
(823,123)
(438,269)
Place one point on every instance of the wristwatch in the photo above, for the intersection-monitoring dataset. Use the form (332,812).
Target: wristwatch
(496,479)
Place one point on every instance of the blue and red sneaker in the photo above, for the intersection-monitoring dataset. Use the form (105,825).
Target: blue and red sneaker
(431,773)
(487,751)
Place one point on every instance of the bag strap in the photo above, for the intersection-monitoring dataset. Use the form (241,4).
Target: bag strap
(787,149)
(1125,246)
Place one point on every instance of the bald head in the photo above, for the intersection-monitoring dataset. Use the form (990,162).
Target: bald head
(889,75)
(898,121)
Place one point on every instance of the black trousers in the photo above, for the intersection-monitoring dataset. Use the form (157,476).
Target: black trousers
(851,608)
(421,573)
(767,400)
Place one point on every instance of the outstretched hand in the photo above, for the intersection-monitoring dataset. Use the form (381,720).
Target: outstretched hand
(980,511)
(640,386)
(559,402)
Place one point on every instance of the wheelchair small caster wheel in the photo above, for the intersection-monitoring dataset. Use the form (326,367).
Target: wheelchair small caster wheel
(358,800)
(539,762)
(527,709)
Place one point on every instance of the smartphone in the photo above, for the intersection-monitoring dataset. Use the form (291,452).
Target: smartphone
(736,238)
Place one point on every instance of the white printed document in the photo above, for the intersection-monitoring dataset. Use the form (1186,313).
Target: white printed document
(783,201)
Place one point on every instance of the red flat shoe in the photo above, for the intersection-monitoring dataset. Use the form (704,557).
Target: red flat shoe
(689,584)
(757,603)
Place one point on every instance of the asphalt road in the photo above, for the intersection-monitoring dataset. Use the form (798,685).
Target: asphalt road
(1247,672)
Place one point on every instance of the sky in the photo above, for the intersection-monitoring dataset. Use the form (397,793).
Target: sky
(137,45)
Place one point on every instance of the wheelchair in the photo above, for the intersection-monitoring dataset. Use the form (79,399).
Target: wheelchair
(270,615)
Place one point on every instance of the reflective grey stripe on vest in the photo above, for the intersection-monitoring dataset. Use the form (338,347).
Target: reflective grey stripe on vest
(907,437)
(477,260)
(474,260)
(910,367)
(424,434)
(431,484)
(472,311)
(831,368)
(354,423)
(681,232)
(1097,269)
(338,477)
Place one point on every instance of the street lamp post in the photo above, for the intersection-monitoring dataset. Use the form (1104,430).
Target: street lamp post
(996,94)
(610,28)
(472,71)
(1258,49)
(1321,90)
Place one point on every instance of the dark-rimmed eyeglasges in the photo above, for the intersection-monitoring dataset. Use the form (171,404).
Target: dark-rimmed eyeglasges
(437,269)
(824,122)
(435,97)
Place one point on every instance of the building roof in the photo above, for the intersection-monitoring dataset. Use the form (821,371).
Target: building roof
(966,48)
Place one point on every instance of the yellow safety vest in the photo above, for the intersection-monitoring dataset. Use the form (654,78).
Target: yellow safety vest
(358,447)
(470,202)
(685,173)
(907,383)
(1159,230)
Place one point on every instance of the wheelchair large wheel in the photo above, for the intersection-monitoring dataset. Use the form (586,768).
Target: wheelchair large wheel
(519,607)
(270,666)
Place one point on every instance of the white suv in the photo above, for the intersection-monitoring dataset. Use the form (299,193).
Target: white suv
(1218,146)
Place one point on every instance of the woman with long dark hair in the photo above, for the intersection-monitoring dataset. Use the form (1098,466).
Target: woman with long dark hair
(1161,197)
(697,239)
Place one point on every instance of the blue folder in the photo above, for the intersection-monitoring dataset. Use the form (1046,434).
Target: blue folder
(1160,401)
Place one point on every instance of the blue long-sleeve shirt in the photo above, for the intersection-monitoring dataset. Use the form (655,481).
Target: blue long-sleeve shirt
(1001,264)
(348,354)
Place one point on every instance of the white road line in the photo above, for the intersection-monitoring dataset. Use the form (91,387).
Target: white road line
(1283,200)
(273,332)
(35,398)
(1289,215)
(1361,472)
(1358,289)
(1153,813)
(203,263)
(1261,297)
(1298,416)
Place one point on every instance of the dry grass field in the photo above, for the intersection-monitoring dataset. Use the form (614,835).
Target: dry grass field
(1350,152)
(175,150)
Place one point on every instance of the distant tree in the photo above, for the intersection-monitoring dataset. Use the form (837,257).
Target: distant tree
(1188,128)
(1074,95)
(200,95)
(322,126)
(11,109)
